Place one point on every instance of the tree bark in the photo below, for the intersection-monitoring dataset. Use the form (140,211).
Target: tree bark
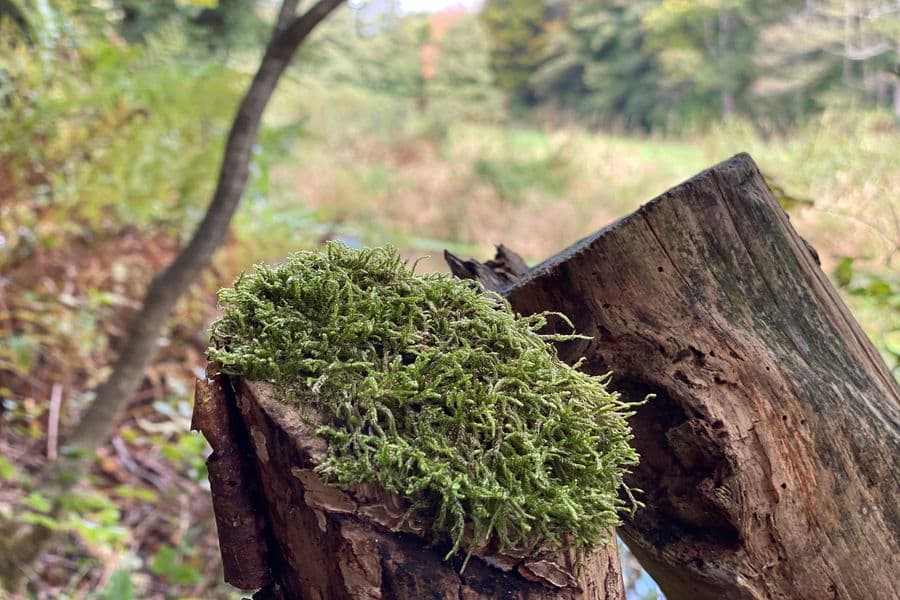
(506,268)
(283,530)
(770,456)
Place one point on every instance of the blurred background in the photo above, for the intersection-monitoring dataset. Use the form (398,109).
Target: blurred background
(424,123)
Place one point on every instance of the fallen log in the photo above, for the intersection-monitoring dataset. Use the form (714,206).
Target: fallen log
(770,456)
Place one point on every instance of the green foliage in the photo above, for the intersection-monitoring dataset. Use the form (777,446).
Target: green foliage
(436,391)
(7,470)
(92,516)
(655,64)
(385,61)
(512,177)
(169,563)
(85,131)
(186,452)
(463,85)
(523,162)
(600,65)
(215,25)
(119,587)
(881,293)
(517,35)
(18,353)
(707,48)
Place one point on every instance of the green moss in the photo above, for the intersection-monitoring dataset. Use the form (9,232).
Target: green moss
(438,392)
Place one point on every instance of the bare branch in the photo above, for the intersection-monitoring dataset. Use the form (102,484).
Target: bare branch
(303,25)
(285,14)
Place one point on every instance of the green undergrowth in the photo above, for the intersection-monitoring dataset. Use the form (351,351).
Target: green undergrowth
(437,391)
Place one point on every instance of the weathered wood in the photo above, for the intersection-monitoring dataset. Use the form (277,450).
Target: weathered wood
(770,458)
(238,523)
(497,274)
(325,543)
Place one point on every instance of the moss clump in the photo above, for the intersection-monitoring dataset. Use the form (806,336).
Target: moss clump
(438,392)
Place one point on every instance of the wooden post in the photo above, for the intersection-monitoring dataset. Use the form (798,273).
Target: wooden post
(283,530)
(770,457)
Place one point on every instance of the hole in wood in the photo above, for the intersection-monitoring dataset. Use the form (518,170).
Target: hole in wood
(689,453)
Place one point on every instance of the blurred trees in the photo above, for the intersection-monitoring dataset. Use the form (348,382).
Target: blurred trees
(668,63)
(438,62)
(462,81)
(218,25)
(849,51)
(379,55)
(518,38)
(599,64)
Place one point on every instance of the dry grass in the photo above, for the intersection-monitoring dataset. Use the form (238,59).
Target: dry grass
(420,184)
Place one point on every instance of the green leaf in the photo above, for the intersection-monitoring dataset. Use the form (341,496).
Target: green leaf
(879,288)
(169,563)
(120,586)
(36,501)
(128,492)
(892,341)
(42,520)
(7,469)
(843,273)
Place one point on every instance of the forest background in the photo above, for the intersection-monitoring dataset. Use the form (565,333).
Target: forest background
(527,122)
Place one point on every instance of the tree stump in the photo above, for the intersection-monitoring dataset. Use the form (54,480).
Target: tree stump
(283,530)
(770,456)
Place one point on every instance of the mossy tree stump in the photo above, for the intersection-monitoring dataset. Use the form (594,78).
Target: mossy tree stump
(284,532)
(770,458)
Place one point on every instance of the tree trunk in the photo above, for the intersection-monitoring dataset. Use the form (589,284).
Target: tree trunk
(770,456)
(281,529)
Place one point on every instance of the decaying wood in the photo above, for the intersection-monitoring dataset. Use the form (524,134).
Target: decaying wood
(497,274)
(770,457)
(324,543)
(238,522)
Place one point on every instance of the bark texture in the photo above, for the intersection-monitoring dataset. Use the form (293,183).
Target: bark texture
(323,543)
(770,457)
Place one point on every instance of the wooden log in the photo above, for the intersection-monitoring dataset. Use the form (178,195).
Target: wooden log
(322,543)
(770,457)
(496,274)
